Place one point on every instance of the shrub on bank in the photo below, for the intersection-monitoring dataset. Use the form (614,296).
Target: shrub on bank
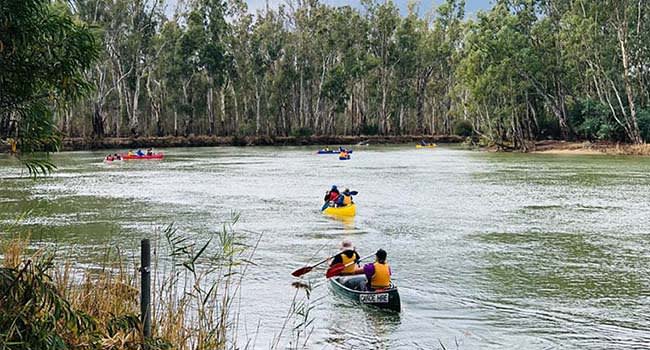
(463,128)
(45,305)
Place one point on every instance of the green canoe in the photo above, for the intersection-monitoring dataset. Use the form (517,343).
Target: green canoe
(352,287)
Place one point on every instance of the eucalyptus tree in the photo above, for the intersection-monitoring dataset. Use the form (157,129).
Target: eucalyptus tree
(610,41)
(384,20)
(44,53)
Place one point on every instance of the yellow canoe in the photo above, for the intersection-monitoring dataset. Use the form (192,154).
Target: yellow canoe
(433,145)
(348,210)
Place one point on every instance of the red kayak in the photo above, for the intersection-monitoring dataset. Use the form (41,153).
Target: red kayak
(136,157)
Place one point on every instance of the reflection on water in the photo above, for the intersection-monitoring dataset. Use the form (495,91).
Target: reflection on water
(378,325)
(490,251)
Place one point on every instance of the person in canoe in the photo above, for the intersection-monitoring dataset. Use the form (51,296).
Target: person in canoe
(139,153)
(347,255)
(130,153)
(345,198)
(150,151)
(331,197)
(377,273)
(344,155)
(424,143)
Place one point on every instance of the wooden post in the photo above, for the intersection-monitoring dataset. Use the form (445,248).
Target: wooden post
(145,288)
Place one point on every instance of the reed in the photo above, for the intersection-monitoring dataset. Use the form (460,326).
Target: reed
(50,304)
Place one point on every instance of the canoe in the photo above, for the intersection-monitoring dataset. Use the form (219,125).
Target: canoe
(144,157)
(331,151)
(348,210)
(351,288)
(345,158)
(433,145)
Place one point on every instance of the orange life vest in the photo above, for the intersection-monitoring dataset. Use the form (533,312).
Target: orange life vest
(347,200)
(348,269)
(381,278)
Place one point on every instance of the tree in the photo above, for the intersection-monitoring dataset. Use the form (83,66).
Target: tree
(44,53)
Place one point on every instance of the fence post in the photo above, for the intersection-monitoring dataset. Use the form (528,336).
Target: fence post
(145,288)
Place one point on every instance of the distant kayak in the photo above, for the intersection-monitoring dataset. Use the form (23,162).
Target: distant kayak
(331,151)
(431,145)
(345,157)
(144,157)
(348,210)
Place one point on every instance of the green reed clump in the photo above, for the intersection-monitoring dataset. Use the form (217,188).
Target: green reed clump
(50,305)
(33,314)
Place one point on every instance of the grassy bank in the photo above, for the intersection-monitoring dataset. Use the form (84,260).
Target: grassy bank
(47,303)
(606,148)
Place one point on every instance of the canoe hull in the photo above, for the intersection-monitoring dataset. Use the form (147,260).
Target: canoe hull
(427,146)
(145,157)
(331,151)
(387,299)
(349,210)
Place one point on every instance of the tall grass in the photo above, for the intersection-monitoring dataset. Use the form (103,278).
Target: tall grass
(48,305)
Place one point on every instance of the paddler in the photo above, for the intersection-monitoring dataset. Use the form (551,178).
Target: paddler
(377,273)
(332,195)
(347,255)
(345,198)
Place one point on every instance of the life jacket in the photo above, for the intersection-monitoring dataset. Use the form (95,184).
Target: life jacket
(381,278)
(347,200)
(334,196)
(346,260)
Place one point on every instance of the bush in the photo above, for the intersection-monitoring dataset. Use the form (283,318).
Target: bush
(463,128)
(644,124)
(369,130)
(590,120)
(302,132)
(549,128)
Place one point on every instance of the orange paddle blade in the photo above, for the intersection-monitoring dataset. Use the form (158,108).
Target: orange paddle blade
(334,270)
(301,271)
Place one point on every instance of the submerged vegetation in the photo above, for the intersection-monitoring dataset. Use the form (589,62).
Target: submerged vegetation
(522,71)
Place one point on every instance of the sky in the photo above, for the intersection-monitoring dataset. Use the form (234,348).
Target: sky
(471,6)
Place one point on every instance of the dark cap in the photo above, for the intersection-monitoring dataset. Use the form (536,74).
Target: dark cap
(381,255)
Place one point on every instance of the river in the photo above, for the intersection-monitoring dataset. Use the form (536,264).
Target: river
(490,251)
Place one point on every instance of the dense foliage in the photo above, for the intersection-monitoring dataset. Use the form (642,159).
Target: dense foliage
(44,57)
(524,70)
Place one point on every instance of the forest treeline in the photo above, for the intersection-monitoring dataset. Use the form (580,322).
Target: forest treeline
(522,71)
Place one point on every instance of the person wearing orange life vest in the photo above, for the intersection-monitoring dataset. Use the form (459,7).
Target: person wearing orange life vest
(377,273)
(347,255)
(345,198)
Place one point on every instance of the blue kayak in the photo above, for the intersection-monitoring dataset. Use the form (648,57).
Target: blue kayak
(332,151)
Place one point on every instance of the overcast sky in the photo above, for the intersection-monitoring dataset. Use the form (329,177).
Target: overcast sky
(471,7)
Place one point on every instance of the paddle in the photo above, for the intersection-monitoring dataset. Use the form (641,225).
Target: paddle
(336,269)
(303,270)
(325,206)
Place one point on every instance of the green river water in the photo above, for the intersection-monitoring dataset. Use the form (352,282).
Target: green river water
(490,251)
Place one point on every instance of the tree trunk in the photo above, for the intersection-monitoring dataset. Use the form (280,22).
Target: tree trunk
(635,135)
(98,121)
(210,105)
(222,110)
(257,107)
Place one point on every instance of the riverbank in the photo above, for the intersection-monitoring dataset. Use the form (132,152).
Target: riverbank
(76,144)
(590,148)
